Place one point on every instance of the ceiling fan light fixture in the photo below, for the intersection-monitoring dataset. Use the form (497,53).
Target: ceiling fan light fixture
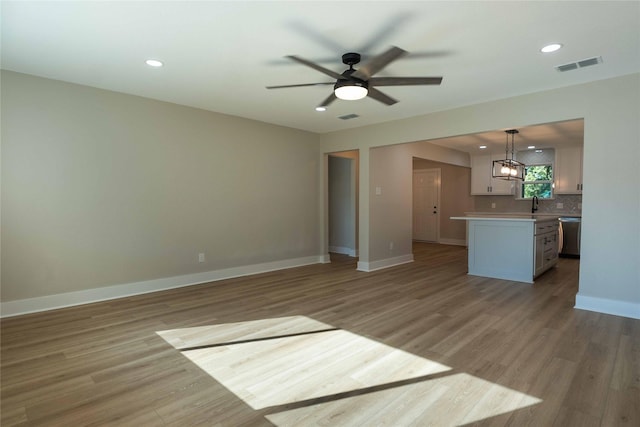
(321,108)
(349,90)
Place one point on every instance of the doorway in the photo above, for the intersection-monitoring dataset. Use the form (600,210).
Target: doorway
(343,203)
(426,205)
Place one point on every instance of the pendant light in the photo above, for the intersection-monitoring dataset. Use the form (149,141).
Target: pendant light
(509,169)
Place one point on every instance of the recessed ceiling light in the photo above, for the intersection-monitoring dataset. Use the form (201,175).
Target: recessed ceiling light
(482,147)
(321,108)
(153,63)
(531,147)
(538,151)
(551,48)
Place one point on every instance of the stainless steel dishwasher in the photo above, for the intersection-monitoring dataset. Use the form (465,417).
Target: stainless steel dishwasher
(570,237)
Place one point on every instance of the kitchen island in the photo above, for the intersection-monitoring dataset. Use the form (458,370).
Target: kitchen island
(511,247)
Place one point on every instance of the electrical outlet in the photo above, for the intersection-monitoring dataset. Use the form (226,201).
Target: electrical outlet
(200,257)
(493,205)
(559,205)
(378,191)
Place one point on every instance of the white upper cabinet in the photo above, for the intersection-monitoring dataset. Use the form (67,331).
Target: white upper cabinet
(482,181)
(568,170)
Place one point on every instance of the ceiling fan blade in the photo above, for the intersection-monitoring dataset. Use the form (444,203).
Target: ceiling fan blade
(329,100)
(404,81)
(316,67)
(379,96)
(301,85)
(378,62)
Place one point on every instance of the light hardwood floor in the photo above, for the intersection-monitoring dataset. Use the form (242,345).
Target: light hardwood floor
(418,344)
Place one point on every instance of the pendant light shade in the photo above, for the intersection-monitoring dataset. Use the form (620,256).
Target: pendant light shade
(509,169)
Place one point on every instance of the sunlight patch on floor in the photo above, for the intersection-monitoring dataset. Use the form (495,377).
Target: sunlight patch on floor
(452,400)
(336,376)
(292,369)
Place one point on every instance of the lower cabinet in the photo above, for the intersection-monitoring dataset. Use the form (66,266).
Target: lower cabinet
(511,248)
(546,246)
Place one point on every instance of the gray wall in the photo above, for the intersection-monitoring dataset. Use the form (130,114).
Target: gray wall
(391,221)
(101,188)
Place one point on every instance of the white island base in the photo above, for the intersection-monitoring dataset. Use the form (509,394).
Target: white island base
(511,248)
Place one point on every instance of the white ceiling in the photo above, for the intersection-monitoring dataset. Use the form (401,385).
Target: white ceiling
(220,55)
(547,135)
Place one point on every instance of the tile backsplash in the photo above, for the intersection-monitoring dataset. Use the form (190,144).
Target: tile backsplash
(571,203)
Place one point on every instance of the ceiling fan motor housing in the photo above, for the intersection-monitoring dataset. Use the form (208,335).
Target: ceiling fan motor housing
(351,58)
(350,81)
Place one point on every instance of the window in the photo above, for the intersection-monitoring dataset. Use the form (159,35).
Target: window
(538,181)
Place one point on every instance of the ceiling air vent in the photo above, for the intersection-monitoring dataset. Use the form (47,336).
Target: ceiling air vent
(567,67)
(348,116)
(580,64)
(589,62)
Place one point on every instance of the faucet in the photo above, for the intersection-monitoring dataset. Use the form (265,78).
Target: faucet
(534,204)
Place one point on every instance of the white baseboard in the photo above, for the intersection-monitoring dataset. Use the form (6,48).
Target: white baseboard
(68,299)
(456,242)
(384,263)
(608,306)
(343,250)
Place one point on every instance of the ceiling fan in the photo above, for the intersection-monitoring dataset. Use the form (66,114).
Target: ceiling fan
(355,84)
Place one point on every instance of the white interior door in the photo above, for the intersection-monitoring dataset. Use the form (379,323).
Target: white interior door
(426,204)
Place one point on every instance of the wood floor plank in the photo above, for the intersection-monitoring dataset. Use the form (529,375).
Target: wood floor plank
(621,408)
(590,386)
(516,354)
(552,383)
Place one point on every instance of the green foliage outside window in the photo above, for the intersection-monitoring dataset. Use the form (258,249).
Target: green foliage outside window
(538,180)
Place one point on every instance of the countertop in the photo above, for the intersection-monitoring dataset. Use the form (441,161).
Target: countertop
(506,214)
(473,216)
